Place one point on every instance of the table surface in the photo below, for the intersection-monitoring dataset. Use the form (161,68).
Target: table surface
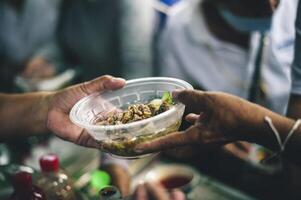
(73,158)
(207,188)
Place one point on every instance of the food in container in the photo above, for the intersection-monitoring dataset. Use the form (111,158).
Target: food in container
(141,111)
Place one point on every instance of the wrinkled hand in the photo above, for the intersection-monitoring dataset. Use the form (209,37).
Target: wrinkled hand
(150,191)
(120,177)
(218,119)
(61,103)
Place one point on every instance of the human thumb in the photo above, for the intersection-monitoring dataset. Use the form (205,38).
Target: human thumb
(195,100)
(102,83)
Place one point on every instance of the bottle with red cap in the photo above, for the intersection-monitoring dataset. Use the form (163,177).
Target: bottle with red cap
(24,189)
(54,181)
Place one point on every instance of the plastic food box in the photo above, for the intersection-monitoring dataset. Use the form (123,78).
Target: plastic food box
(120,140)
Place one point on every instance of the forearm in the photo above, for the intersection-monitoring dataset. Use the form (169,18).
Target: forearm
(259,132)
(24,114)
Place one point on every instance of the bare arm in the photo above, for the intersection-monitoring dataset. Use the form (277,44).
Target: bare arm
(220,118)
(23,113)
(37,113)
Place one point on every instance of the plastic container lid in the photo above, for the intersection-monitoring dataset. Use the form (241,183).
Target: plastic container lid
(120,139)
(49,163)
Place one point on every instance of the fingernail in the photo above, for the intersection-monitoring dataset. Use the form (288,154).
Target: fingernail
(118,79)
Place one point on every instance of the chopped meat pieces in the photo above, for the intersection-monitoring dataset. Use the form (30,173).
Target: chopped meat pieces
(136,112)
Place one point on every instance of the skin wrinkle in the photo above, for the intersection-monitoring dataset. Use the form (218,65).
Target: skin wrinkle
(83,88)
(81,137)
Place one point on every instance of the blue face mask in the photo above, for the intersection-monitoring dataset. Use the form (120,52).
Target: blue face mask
(246,24)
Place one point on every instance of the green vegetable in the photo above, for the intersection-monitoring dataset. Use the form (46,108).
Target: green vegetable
(167,97)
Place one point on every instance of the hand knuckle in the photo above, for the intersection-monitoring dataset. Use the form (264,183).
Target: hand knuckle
(83,87)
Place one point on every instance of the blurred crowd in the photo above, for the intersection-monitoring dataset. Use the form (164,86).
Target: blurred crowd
(195,40)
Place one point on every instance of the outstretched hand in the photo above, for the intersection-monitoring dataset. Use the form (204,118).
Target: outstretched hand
(217,118)
(61,103)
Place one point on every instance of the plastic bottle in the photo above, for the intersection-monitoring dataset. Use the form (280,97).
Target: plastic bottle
(24,189)
(7,174)
(54,182)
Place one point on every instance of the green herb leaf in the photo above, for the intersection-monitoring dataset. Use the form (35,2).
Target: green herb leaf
(167,97)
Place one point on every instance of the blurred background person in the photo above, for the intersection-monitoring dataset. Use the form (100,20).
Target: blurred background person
(105,37)
(244,48)
(247,54)
(215,44)
(26,27)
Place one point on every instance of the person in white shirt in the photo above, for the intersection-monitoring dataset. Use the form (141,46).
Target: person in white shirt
(220,118)
(201,46)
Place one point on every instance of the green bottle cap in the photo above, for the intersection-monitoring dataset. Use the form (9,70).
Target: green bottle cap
(99,179)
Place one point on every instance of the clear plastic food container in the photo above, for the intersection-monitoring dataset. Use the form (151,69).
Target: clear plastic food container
(120,140)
